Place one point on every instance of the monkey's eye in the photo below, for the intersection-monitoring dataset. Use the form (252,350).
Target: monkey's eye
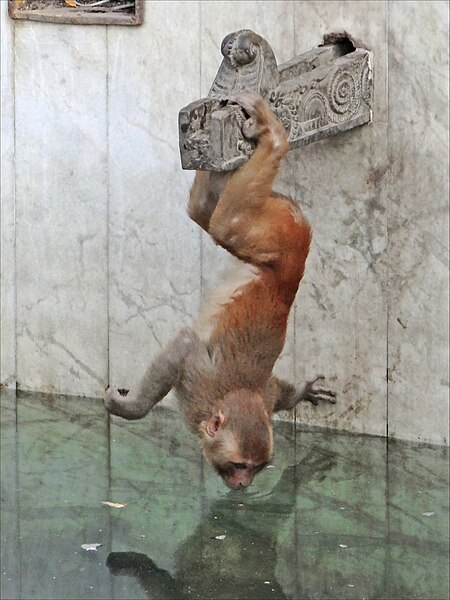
(239,465)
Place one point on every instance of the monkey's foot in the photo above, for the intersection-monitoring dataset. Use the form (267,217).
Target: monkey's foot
(262,123)
(316,395)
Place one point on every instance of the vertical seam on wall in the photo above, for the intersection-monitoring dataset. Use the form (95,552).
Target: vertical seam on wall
(14,200)
(108,365)
(296,549)
(199,47)
(387,217)
(108,322)
(13,40)
(296,197)
(387,492)
(200,237)
(200,75)
(17,471)
(294,175)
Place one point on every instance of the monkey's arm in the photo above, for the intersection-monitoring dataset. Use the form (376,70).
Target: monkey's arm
(160,377)
(287,396)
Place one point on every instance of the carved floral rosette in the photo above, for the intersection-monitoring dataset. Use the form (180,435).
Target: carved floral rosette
(308,105)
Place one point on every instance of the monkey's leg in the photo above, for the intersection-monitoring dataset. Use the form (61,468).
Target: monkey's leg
(204,194)
(248,220)
(160,377)
(251,185)
(288,396)
(208,186)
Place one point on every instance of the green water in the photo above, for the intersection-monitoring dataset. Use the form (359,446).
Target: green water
(337,516)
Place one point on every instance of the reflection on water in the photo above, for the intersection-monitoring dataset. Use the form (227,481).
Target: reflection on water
(334,516)
(243,563)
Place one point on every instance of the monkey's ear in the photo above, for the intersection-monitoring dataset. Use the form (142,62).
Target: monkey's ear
(213,424)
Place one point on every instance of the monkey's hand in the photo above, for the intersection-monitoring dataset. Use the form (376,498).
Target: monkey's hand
(129,563)
(262,124)
(115,401)
(316,395)
(135,404)
(287,396)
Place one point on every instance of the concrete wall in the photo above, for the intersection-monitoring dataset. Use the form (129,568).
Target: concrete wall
(101,266)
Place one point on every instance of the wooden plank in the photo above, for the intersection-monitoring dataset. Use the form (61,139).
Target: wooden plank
(74,16)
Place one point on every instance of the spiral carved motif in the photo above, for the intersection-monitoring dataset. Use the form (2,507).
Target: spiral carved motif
(344,94)
(315,108)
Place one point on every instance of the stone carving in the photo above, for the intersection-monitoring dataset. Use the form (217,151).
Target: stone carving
(317,94)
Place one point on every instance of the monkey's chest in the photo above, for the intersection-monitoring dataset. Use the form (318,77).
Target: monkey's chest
(246,338)
(244,343)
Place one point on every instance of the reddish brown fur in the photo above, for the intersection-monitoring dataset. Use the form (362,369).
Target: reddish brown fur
(221,369)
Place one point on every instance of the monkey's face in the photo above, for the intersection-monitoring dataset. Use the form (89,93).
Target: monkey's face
(238,476)
(238,441)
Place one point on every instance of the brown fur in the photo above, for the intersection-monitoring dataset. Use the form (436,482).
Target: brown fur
(221,369)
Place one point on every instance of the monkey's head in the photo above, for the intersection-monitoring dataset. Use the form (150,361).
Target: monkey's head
(238,438)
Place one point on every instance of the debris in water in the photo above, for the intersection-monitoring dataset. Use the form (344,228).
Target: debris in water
(115,504)
(427,514)
(219,537)
(90,546)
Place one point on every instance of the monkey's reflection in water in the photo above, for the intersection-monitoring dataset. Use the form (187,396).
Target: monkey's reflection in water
(238,566)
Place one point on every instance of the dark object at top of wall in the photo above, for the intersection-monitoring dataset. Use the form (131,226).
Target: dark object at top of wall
(79,12)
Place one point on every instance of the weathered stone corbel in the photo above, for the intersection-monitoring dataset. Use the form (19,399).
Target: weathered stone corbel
(317,94)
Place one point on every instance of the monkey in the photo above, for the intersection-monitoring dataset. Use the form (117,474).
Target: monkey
(221,367)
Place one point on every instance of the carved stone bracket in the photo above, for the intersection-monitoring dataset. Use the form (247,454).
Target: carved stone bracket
(317,94)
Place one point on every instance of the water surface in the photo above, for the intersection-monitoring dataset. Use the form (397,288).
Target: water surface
(335,516)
